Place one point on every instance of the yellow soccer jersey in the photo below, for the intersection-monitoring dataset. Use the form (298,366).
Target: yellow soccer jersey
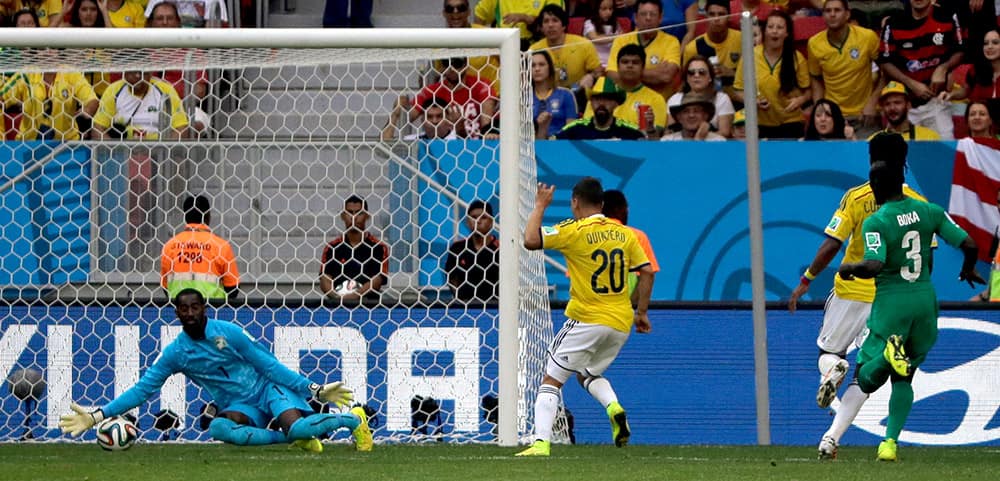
(845,225)
(663,48)
(599,255)
(769,85)
(142,115)
(130,15)
(846,71)
(728,51)
(574,59)
(916,132)
(629,111)
(52,107)
(490,11)
(44,10)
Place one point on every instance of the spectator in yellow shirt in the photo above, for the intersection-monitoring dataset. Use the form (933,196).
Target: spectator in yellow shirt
(126,14)
(638,97)
(512,14)
(134,108)
(456,15)
(48,12)
(895,102)
(718,41)
(840,63)
(50,104)
(663,51)
(782,81)
(574,57)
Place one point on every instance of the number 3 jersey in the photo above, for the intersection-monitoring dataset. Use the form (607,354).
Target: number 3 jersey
(600,253)
(845,225)
(899,235)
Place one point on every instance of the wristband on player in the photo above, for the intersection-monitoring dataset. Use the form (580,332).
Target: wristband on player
(808,275)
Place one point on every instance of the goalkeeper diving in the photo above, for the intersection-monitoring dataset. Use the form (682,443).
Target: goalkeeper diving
(248,383)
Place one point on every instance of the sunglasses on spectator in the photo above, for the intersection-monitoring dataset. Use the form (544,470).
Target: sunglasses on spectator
(456,8)
(698,71)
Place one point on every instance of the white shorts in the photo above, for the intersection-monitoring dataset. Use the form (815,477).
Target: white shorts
(582,348)
(843,322)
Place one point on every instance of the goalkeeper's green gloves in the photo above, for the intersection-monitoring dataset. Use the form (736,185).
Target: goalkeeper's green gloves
(80,420)
(335,393)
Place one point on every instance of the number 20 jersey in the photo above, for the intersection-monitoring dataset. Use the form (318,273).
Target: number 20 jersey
(599,254)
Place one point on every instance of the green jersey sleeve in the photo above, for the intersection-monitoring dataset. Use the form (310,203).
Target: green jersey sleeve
(947,228)
(874,246)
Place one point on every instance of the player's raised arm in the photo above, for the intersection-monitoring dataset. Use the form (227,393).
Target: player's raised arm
(533,228)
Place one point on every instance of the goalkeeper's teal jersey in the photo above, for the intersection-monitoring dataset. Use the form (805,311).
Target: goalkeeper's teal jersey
(900,234)
(228,364)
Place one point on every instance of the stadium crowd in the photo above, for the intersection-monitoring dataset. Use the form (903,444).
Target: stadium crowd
(912,68)
(833,69)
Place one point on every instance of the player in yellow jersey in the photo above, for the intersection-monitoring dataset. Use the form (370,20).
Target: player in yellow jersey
(849,305)
(599,253)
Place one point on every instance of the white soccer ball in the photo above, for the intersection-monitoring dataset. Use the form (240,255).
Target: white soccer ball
(116,434)
(347,287)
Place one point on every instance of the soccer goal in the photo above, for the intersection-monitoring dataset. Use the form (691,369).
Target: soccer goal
(283,126)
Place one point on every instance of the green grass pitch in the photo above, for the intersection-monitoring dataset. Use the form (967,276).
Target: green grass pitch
(215,462)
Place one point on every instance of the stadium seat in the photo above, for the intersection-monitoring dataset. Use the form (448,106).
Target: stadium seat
(806,27)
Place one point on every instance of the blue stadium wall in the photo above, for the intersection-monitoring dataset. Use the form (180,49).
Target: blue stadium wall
(689,197)
(691,381)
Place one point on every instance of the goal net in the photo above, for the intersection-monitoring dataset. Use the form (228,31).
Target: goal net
(277,130)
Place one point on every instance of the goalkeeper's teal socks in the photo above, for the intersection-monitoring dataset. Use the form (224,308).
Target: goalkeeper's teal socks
(316,425)
(229,431)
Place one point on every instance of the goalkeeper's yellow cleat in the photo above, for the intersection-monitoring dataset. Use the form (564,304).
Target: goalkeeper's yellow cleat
(896,355)
(362,434)
(537,448)
(887,450)
(619,424)
(308,445)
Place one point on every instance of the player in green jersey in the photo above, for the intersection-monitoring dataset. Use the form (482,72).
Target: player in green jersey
(903,322)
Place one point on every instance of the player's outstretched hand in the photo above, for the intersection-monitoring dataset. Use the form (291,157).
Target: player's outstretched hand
(80,420)
(544,196)
(972,277)
(793,301)
(335,393)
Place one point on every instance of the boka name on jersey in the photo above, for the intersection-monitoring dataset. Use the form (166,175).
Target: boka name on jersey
(907,218)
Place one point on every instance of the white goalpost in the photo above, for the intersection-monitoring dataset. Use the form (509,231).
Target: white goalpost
(292,122)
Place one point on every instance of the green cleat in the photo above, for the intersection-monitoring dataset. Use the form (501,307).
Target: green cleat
(537,448)
(887,450)
(896,356)
(362,434)
(619,424)
(308,445)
